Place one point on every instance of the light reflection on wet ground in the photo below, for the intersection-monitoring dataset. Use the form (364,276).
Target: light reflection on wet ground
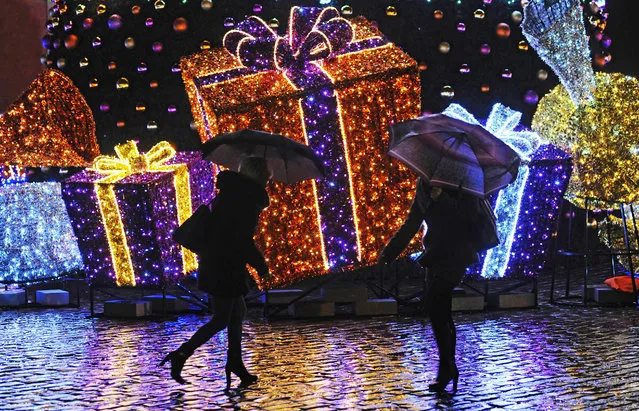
(546,358)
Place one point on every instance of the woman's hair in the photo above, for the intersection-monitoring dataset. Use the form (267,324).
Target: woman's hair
(256,168)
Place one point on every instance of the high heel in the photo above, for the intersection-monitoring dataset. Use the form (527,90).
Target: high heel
(442,381)
(177,359)
(245,377)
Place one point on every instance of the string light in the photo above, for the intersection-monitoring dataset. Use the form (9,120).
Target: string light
(50,124)
(125,209)
(341,105)
(36,239)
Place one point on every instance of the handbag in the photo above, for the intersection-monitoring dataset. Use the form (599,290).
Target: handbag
(194,233)
(485,236)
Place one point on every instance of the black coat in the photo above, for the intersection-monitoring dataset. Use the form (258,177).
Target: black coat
(451,223)
(236,210)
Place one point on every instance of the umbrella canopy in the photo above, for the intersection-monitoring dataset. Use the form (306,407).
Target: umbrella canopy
(451,153)
(290,161)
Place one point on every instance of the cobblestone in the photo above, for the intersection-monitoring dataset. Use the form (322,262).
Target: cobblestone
(547,358)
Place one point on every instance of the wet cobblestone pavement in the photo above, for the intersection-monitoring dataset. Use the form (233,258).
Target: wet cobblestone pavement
(547,358)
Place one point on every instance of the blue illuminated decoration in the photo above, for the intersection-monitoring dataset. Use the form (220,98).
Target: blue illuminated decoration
(36,239)
(12,175)
(524,212)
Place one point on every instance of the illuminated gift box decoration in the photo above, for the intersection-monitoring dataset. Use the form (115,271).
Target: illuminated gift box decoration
(527,209)
(125,208)
(50,124)
(336,85)
(36,239)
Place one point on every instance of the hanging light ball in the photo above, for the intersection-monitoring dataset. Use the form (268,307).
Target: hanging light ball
(87,23)
(112,65)
(157,47)
(273,23)
(229,22)
(444,47)
(115,22)
(104,107)
(180,25)
(94,83)
(461,27)
(206,5)
(347,10)
(79,9)
(101,9)
(542,74)
(61,63)
(422,66)
(506,73)
(129,43)
(502,30)
(479,14)
(517,16)
(522,45)
(148,22)
(84,62)
(152,125)
(464,69)
(485,88)
(97,42)
(438,14)
(257,8)
(447,92)
(391,11)
(135,9)
(142,67)
(159,4)
(484,49)
(122,83)
(531,97)
(205,45)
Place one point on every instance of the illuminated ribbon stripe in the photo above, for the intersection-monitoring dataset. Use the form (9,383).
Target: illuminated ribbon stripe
(127,162)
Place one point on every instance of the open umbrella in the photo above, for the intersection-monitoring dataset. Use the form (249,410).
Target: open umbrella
(448,152)
(291,161)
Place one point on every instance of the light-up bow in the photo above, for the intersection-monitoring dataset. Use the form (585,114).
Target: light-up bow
(313,34)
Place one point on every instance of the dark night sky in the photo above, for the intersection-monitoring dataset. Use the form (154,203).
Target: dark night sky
(623,28)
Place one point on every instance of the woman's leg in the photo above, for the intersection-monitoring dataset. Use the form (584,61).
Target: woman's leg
(439,297)
(222,311)
(236,318)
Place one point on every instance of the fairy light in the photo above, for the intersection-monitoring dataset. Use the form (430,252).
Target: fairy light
(36,239)
(328,104)
(600,135)
(124,220)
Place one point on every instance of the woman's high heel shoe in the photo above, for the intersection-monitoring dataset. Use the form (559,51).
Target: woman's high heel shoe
(245,377)
(177,358)
(442,381)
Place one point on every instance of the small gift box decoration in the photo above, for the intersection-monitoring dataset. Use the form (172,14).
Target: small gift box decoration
(335,85)
(36,239)
(527,210)
(125,208)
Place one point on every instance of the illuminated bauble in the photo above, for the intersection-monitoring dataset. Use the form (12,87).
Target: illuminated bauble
(112,65)
(438,14)
(502,30)
(485,88)
(135,9)
(175,68)
(461,27)
(159,4)
(257,8)
(57,43)
(152,125)
(506,73)
(79,9)
(94,83)
(157,46)
(516,16)
(422,66)
(47,42)
(129,43)
(206,5)
(346,10)
(522,45)
(101,9)
(87,23)
(229,22)
(84,62)
(464,69)
(141,67)
(606,41)
(444,47)
(484,49)
(531,97)
(479,14)
(115,22)
(599,60)
(61,63)
(542,74)
(104,107)
(205,45)
(148,22)
(600,135)
(68,25)
(171,109)
(122,83)
(273,23)
(140,107)
(447,92)
(180,25)
(193,126)
(391,11)
(120,124)
(97,42)
(154,84)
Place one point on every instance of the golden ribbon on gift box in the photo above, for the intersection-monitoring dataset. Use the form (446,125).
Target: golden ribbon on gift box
(129,161)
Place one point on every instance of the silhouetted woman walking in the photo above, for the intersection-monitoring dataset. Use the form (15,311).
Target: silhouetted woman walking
(222,270)
(451,219)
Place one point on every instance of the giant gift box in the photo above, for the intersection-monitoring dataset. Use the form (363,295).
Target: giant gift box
(336,85)
(528,209)
(125,208)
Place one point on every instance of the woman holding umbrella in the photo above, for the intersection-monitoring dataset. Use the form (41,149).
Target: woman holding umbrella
(222,271)
(459,165)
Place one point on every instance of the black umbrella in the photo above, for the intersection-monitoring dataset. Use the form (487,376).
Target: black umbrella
(451,153)
(291,161)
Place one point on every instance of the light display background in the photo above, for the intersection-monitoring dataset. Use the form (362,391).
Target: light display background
(124,55)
